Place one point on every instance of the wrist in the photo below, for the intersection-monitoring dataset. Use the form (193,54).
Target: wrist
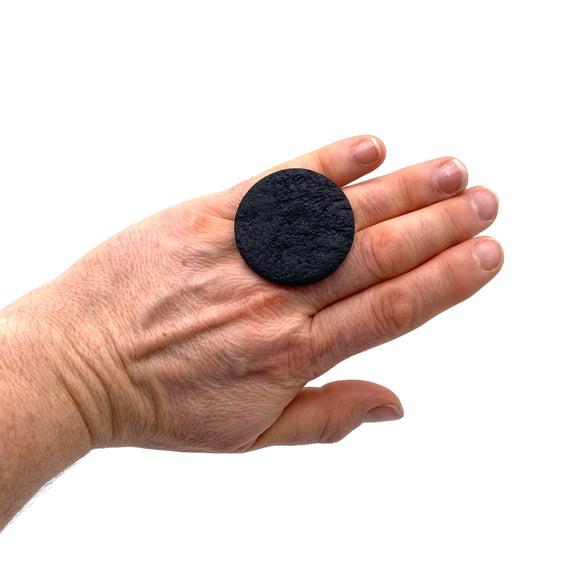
(65,351)
(41,430)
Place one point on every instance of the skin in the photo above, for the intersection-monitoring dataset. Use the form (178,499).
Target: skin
(163,338)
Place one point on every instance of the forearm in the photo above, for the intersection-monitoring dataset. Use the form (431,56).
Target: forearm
(41,430)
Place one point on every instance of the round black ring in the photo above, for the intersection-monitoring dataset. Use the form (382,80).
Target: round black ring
(294,227)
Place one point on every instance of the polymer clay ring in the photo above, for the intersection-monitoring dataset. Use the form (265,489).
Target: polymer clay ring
(294,227)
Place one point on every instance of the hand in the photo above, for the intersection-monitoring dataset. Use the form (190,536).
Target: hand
(166,339)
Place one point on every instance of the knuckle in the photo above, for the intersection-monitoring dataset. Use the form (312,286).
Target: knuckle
(395,314)
(279,348)
(452,276)
(333,431)
(299,355)
(333,436)
(381,252)
(265,303)
(321,356)
(406,182)
(326,163)
(454,224)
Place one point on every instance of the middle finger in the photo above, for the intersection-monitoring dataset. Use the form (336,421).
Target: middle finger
(395,246)
(405,190)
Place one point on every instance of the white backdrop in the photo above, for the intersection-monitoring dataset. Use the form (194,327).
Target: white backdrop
(112,110)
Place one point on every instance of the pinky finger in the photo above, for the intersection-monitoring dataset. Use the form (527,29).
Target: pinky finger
(392,308)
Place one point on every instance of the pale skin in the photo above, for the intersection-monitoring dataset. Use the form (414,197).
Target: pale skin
(163,338)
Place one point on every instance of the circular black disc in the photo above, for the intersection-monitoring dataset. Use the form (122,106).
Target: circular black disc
(294,227)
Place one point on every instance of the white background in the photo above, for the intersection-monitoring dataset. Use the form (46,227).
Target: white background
(112,110)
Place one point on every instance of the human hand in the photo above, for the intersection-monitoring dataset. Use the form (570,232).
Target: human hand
(166,339)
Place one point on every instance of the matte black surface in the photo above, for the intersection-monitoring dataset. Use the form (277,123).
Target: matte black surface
(294,227)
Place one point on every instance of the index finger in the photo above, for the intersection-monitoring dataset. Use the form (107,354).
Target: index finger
(343,162)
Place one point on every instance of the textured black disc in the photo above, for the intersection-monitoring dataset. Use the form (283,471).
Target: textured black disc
(294,227)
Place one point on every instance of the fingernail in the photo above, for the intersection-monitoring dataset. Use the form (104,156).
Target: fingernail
(485,203)
(367,152)
(383,413)
(488,254)
(451,177)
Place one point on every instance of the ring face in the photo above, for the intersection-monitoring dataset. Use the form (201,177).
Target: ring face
(294,227)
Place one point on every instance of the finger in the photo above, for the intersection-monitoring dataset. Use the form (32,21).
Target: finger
(343,162)
(406,190)
(327,414)
(390,309)
(395,246)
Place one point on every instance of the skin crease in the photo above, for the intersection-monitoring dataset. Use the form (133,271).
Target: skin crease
(163,338)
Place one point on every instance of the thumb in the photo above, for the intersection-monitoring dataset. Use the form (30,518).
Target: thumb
(329,413)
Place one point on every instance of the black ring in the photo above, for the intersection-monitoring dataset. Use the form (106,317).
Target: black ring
(294,227)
